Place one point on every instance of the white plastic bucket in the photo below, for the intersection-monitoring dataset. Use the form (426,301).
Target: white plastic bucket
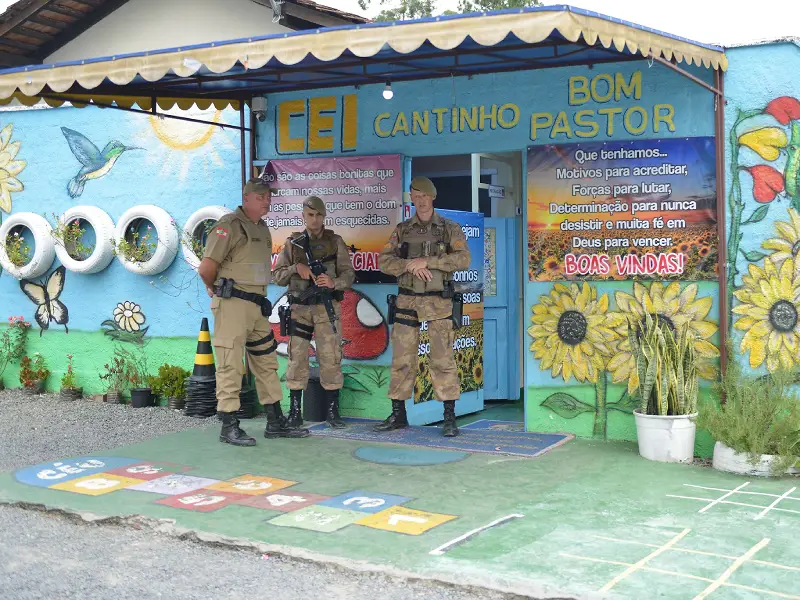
(666,439)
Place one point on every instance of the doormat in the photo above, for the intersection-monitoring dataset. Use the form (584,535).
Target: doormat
(495,425)
(489,441)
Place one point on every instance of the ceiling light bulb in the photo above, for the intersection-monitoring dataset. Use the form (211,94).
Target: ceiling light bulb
(387,91)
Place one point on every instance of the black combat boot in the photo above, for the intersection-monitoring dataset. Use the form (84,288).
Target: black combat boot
(334,420)
(278,425)
(295,412)
(231,432)
(449,429)
(397,420)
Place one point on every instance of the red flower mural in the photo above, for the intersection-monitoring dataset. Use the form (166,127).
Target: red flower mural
(365,332)
(767,183)
(784,109)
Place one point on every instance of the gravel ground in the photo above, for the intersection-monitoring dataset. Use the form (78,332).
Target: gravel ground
(45,555)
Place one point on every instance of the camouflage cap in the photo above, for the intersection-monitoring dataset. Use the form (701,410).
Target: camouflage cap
(256,185)
(315,203)
(424,185)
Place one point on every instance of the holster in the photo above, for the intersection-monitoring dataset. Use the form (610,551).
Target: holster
(391,300)
(449,290)
(458,310)
(224,289)
(285,315)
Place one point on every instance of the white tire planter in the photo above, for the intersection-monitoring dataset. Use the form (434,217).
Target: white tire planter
(666,439)
(195,220)
(44,252)
(730,461)
(104,233)
(167,247)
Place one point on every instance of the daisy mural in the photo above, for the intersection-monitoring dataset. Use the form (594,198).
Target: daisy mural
(127,324)
(580,338)
(10,168)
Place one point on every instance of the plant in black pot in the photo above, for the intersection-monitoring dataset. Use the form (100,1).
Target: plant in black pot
(69,385)
(170,383)
(115,378)
(33,373)
(138,379)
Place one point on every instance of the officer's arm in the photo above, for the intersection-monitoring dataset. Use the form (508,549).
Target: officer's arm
(388,261)
(458,258)
(218,244)
(284,269)
(346,275)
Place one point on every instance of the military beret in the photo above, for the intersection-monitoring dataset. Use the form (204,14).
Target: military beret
(257,185)
(424,185)
(315,203)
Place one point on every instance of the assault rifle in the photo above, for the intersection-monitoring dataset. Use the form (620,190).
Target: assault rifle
(317,268)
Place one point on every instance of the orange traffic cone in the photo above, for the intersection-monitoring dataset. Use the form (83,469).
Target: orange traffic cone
(204,358)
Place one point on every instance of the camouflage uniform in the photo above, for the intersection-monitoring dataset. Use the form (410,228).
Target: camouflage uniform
(419,301)
(310,316)
(243,251)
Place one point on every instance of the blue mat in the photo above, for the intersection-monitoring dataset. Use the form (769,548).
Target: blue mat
(495,425)
(486,440)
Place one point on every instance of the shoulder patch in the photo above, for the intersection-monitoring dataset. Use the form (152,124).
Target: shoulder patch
(221,232)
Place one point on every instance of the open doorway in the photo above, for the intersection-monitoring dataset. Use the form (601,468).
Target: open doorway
(491,184)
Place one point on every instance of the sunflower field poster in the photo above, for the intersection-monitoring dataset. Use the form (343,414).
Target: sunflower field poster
(468,344)
(623,210)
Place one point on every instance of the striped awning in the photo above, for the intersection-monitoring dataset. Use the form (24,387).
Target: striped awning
(227,72)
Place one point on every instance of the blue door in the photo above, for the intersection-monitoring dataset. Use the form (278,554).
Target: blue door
(501,325)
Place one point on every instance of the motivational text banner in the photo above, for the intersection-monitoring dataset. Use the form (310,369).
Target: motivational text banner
(623,210)
(468,344)
(363,199)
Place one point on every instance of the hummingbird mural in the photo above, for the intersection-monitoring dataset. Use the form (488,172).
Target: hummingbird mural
(95,163)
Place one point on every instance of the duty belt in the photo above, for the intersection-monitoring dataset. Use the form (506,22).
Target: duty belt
(225,289)
(408,292)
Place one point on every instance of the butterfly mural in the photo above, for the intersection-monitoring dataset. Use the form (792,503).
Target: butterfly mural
(45,296)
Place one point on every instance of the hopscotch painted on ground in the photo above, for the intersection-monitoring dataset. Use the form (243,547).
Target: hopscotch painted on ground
(723,581)
(727,495)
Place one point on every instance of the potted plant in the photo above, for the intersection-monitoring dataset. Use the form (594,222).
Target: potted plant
(115,376)
(70,236)
(12,343)
(138,379)
(170,383)
(757,427)
(667,389)
(17,250)
(33,373)
(69,386)
(134,250)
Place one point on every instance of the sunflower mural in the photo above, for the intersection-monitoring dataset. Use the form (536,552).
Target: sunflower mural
(579,338)
(127,324)
(765,149)
(10,168)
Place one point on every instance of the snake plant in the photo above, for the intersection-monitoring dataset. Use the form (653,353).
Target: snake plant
(665,365)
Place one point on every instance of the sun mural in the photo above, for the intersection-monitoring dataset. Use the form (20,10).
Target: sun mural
(183,143)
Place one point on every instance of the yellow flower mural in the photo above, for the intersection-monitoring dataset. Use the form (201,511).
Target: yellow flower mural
(674,307)
(10,168)
(766,142)
(787,244)
(573,332)
(769,309)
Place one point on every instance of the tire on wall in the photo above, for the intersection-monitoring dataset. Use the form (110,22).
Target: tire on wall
(167,231)
(104,232)
(195,220)
(44,252)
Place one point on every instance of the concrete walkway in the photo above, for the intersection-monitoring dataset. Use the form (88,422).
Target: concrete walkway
(587,519)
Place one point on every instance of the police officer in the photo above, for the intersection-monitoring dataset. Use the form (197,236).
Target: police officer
(236,270)
(423,252)
(309,315)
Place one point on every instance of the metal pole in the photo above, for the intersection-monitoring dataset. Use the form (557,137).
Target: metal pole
(253,149)
(242,142)
(688,75)
(722,262)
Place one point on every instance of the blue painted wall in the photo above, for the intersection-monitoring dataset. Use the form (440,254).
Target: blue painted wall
(496,113)
(763,123)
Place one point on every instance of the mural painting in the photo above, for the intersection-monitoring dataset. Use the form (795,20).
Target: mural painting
(95,163)
(765,167)
(620,229)
(45,296)
(127,324)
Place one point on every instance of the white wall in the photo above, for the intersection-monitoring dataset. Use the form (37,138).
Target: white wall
(142,25)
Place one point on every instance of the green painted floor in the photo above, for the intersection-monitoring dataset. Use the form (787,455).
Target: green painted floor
(596,516)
